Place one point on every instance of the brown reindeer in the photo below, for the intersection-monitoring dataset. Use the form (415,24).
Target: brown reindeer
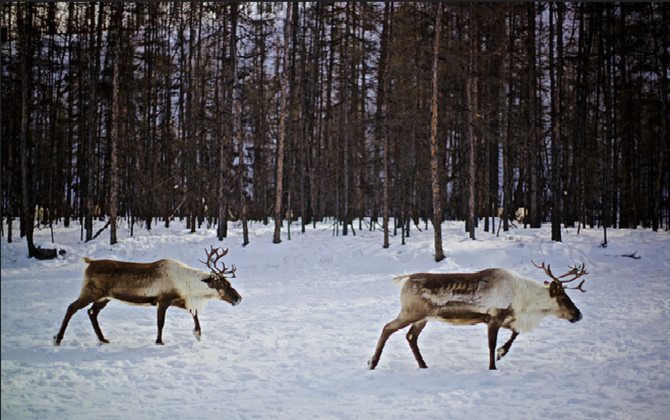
(497,297)
(163,283)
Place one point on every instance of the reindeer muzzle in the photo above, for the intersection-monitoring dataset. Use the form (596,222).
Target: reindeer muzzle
(577,317)
(237,301)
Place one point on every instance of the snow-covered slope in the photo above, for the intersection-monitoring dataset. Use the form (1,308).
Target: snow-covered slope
(313,308)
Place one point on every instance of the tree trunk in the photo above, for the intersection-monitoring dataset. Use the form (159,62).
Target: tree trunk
(556,89)
(471,95)
(386,49)
(114,179)
(657,218)
(237,119)
(534,160)
(347,102)
(25,27)
(508,169)
(434,161)
(91,111)
(282,127)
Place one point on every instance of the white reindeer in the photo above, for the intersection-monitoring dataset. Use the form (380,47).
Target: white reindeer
(496,297)
(163,283)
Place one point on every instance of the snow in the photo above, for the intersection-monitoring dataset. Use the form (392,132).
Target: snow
(298,344)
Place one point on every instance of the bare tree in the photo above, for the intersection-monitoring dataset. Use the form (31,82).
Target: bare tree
(555,75)
(386,49)
(434,163)
(237,118)
(114,135)
(282,128)
(25,45)
(533,139)
(471,95)
(170,114)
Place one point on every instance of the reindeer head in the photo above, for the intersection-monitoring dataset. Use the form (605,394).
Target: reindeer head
(218,279)
(566,309)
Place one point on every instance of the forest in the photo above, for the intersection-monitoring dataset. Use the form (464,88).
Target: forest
(373,115)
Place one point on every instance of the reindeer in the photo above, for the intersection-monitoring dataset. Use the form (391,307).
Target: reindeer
(496,297)
(163,283)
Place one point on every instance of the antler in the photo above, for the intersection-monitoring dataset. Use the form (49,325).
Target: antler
(212,264)
(577,271)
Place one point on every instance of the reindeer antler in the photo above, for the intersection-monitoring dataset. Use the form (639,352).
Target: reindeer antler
(212,264)
(577,270)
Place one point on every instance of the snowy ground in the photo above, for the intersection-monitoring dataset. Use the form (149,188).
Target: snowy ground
(313,308)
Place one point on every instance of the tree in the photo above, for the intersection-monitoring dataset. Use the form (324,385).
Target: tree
(573,121)
(237,119)
(531,107)
(434,164)
(346,103)
(556,83)
(26,33)
(471,95)
(383,129)
(281,141)
(114,135)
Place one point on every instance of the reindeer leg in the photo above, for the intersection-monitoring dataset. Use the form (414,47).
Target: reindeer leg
(162,306)
(389,329)
(413,337)
(197,331)
(502,351)
(493,327)
(93,315)
(71,310)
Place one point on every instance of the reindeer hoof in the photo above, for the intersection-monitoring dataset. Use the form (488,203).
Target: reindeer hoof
(371,366)
(56,341)
(103,342)
(197,334)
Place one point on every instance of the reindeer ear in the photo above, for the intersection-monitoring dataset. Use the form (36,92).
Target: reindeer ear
(555,289)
